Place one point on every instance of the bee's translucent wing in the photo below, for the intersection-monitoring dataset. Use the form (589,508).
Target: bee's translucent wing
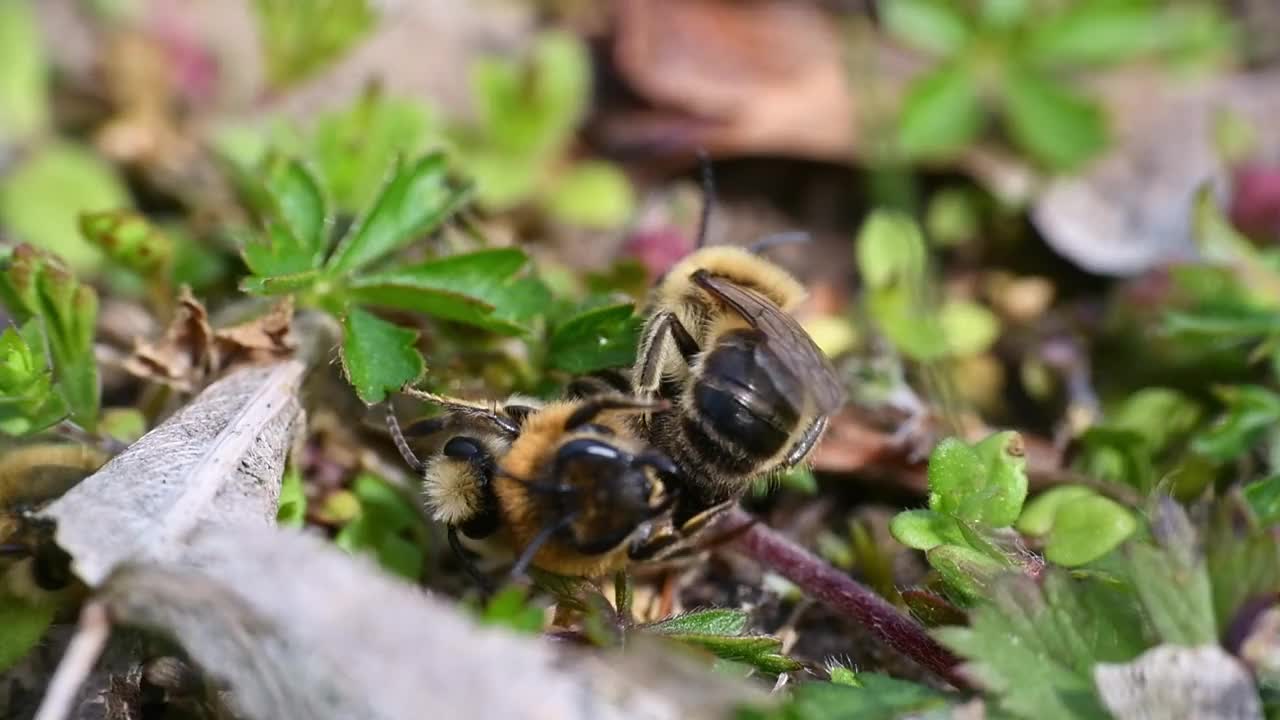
(788,340)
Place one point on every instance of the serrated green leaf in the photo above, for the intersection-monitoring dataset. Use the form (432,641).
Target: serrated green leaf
(942,113)
(355,146)
(1094,32)
(1243,563)
(298,205)
(378,357)
(1086,529)
(929,25)
(1053,124)
(478,288)
(1175,593)
(24,624)
(414,202)
(24,73)
(592,195)
(42,196)
(716,621)
(602,337)
(1033,647)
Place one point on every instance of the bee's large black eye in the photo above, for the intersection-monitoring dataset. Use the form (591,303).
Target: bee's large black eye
(462,448)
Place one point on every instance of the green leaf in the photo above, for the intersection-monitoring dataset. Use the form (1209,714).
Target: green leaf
(890,250)
(1172,580)
(510,608)
(1251,411)
(721,632)
(965,570)
(968,328)
(1222,244)
(985,483)
(1243,561)
(1161,416)
(531,111)
(299,38)
(927,25)
(24,73)
(384,527)
(43,195)
(414,202)
(378,357)
(292,509)
(716,621)
(1264,497)
(592,195)
(601,337)
(866,696)
(1094,32)
(1034,646)
(924,529)
(28,402)
(1053,124)
(1038,515)
(1086,529)
(354,146)
(478,288)
(298,205)
(129,239)
(24,624)
(124,424)
(1004,14)
(942,113)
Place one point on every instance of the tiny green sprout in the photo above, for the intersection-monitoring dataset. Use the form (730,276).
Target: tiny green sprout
(965,570)
(984,483)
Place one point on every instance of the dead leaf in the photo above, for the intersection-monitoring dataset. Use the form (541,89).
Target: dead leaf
(1171,682)
(219,460)
(296,628)
(191,352)
(185,356)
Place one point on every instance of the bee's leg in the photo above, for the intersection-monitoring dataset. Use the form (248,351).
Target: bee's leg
(468,562)
(665,327)
(804,445)
(649,545)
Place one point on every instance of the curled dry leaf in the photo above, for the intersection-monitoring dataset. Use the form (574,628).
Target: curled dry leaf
(1179,682)
(296,628)
(191,351)
(217,461)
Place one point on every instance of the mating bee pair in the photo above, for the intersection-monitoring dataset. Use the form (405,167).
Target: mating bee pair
(727,388)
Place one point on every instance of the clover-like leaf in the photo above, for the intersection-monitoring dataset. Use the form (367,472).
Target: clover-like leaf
(599,337)
(418,197)
(378,356)
(942,112)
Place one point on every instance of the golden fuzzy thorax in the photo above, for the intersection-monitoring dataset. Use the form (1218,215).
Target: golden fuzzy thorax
(734,263)
(529,455)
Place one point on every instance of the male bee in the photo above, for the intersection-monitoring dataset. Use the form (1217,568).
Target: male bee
(750,391)
(567,485)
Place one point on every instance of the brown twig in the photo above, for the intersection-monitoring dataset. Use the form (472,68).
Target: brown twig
(843,594)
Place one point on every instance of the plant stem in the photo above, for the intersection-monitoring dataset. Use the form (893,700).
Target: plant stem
(843,594)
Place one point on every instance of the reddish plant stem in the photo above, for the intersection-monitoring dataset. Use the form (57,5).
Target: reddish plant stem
(843,594)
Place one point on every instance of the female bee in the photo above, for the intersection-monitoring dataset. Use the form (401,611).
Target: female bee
(567,485)
(749,389)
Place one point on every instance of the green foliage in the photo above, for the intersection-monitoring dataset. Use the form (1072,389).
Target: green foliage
(128,239)
(1078,525)
(36,287)
(24,90)
(893,261)
(866,696)
(1251,412)
(41,197)
(595,337)
(1001,59)
(723,633)
(24,624)
(386,526)
(511,608)
(378,356)
(292,509)
(28,402)
(301,36)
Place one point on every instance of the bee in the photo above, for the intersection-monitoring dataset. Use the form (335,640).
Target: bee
(750,391)
(567,485)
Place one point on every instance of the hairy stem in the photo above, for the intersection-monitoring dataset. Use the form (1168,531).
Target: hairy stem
(842,593)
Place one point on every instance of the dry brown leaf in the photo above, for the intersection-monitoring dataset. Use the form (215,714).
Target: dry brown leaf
(185,356)
(263,338)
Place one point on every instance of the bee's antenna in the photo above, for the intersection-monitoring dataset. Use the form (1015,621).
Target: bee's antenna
(543,536)
(591,408)
(401,444)
(708,198)
(466,408)
(768,242)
